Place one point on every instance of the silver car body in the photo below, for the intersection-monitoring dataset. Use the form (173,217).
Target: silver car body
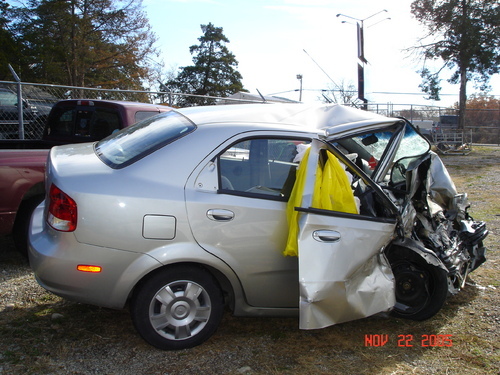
(170,207)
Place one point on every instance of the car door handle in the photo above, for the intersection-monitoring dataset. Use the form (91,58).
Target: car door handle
(324,235)
(218,214)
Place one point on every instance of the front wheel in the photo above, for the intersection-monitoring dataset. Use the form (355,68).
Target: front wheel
(421,288)
(177,308)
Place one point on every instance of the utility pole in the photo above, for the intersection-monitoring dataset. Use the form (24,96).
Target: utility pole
(361,53)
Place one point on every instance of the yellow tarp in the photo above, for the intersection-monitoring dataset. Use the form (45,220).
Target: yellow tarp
(332,191)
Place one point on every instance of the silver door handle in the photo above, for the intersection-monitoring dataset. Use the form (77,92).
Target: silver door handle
(218,214)
(324,235)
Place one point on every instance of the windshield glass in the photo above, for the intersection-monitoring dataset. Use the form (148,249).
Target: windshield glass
(135,142)
(368,149)
(412,146)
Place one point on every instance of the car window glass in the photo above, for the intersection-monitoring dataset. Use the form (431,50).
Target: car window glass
(411,148)
(265,167)
(61,122)
(141,139)
(103,124)
(412,144)
(366,149)
(142,115)
(83,120)
(88,122)
(8,98)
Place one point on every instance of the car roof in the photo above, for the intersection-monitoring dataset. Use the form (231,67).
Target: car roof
(328,118)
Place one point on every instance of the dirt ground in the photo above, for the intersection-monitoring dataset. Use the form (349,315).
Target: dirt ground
(43,334)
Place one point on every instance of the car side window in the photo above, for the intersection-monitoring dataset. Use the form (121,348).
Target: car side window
(261,167)
(104,123)
(8,98)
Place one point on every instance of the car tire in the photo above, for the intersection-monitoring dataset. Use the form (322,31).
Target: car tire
(22,223)
(178,307)
(421,288)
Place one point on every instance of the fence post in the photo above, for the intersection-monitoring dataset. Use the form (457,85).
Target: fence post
(170,102)
(19,103)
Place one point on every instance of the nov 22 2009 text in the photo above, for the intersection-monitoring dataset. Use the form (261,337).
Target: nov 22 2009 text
(408,341)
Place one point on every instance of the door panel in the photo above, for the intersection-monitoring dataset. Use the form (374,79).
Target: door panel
(342,272)
(248,234)
(237,211)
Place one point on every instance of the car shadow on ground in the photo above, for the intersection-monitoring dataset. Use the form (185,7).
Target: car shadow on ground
(44,331)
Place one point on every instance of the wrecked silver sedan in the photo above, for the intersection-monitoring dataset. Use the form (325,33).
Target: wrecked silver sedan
(327,212)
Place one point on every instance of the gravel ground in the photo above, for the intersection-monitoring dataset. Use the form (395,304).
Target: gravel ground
(43,334)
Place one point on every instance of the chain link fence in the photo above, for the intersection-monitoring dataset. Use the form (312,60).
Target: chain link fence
(24,108)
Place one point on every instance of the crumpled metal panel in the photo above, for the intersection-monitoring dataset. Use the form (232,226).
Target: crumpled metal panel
(440,184)
(345,279)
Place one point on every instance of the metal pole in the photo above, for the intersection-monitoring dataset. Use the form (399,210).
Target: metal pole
(19,103)
(361,53)
(299,77)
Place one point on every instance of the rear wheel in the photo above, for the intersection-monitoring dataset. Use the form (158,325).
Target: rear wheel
(177,308)
(421,288)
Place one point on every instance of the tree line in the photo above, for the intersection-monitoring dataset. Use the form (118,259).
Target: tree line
(110,44)
(106,44)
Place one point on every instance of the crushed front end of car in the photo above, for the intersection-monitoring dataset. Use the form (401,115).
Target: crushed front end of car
(436,229)
(410,220)
(442,222)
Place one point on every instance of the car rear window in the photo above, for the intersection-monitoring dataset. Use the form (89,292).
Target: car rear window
(83,121)
(141,139)
(142,115)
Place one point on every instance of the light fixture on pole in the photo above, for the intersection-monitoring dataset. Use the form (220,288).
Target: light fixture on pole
(361,52)
(299,77)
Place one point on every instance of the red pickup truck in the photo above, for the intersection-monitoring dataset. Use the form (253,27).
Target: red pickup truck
(22,162)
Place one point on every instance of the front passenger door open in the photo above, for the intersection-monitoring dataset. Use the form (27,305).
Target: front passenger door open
(343,273)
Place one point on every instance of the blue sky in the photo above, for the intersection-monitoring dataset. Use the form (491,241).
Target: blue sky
(268,38)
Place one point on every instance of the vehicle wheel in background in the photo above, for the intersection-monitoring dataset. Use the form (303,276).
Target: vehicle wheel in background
(177,308)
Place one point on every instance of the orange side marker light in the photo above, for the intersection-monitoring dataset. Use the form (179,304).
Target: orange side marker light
(89,268)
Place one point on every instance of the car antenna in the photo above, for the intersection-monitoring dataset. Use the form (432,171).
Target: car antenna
(262,96)
(330,78)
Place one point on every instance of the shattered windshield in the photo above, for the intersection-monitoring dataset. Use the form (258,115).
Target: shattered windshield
(412,146)
(367,149)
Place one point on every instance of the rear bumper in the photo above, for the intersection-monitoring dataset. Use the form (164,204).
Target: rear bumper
(54,257)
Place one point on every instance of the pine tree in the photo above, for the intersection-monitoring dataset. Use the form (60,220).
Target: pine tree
(9,53)
(213,73)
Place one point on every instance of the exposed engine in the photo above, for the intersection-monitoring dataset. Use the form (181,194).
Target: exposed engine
(443,225)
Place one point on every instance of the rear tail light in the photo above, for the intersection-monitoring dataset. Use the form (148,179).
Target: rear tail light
(62,212)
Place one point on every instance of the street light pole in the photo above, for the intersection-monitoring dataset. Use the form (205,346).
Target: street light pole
(361,53)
